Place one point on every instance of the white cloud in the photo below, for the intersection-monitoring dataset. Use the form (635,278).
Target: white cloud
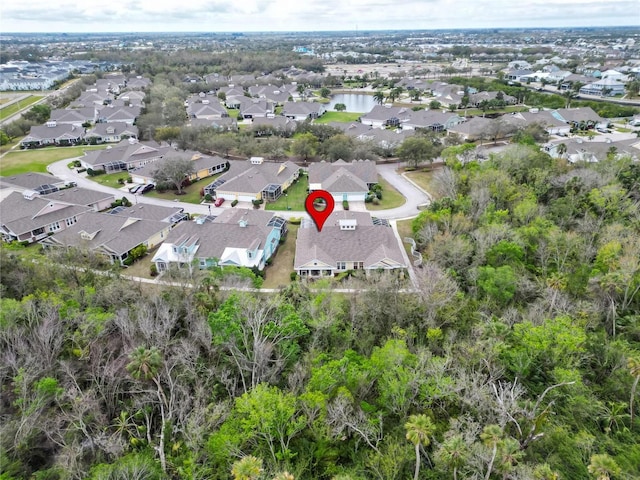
(308,15)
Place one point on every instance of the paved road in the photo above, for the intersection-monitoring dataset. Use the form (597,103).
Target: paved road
(414,195)
(411,192)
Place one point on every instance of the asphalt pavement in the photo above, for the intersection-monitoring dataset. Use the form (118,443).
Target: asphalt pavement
(413,194)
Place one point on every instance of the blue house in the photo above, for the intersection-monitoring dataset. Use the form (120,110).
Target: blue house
(238,237)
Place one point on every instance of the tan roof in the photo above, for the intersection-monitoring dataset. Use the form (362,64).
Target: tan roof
(248,178)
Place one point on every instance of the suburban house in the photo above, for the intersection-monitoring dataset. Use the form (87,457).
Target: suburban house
(28,217)
(516,75)
(203,166)
(205,106)
(300,111)
(254,107)
(578,149)
(110,132)
(238,237)
(38,182)
(137,83)
(91,99)
(52,134)
(271,93)
(476,99)
(133,99)
(220,124)
(147,211)
(605,87)
(435,120)
(126,155)
(265,126)
(471,130)
(582,117)
(95,200)
(254,180)
(73,116)
(385,116)
(447,94)
(345,181)
(110,114)
(387,139)
(113,236)
(551,124)
(348,241)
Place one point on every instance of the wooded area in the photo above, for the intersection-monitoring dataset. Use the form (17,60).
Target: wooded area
(517,357)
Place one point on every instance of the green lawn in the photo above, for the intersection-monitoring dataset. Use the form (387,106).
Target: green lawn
(111,179)
(424,179)
(404,230)
(192,192)
(278,274)
(331,116)
(22,161)
(295,197)
(8,146)
(6,112)
(391,198)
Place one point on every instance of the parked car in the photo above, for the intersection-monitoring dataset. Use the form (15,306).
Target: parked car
(135,188)
(219,201)
(147,188)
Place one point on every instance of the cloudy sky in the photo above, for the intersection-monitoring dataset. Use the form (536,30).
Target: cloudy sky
(307,15)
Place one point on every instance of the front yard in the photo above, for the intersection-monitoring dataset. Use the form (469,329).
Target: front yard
(424,179)
(391,198)
(23,161)
(191,193)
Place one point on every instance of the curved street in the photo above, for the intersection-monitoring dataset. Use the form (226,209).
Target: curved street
(414,195)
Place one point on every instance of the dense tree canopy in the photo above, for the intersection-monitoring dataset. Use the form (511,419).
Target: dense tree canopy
(515,356)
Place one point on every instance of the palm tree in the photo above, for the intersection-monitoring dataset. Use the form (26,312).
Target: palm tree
(562,149)
(419,430)
(491,436)
(247,468)
(602,466)
(633,364)
(453,453)
(379,97)
(145,363)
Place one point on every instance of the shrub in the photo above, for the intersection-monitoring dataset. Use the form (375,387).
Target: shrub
(345,205)
(234,203)
(129,179)
(94,173)
(121,181)
(208,197)
(153,270)
(125,202)
(293,276)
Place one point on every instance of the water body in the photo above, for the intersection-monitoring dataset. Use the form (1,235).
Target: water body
(355,102)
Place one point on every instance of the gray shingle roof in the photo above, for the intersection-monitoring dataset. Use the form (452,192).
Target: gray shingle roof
(344,177)
(368,243)
(79,196)
(248,178)
(20,215)
(116,233)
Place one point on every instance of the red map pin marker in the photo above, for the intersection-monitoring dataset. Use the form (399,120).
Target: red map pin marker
(319,216)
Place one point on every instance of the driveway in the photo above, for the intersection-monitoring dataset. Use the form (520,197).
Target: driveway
(414,195)
(410,191)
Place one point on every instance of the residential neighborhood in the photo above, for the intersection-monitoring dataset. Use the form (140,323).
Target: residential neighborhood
(401,242)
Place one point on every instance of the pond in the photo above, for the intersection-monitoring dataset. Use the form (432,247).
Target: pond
(355,102)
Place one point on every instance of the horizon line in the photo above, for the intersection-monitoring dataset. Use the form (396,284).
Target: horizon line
(355,31)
